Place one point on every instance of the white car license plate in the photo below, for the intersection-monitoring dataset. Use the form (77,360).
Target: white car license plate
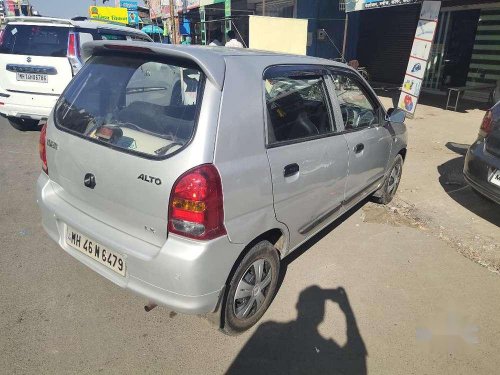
(96,251)
(30,77)
(495,178)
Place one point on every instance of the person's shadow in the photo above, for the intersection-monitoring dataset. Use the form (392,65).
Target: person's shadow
(297,347)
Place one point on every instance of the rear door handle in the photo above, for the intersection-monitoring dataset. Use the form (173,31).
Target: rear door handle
(291,169)
(359,147)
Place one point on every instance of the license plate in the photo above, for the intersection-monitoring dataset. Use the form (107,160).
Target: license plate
(30,77)
(495,178)
(96,251)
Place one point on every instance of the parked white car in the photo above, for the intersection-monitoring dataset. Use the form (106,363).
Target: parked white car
(39,57)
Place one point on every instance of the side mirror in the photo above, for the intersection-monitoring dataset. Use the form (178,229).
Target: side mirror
(395,115)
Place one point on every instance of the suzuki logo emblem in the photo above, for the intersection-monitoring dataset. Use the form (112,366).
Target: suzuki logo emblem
(28,59)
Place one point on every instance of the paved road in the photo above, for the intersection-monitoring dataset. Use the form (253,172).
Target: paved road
(412,305)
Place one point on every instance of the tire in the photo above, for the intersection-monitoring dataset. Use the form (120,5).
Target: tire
(242,313)
(23,124)
(388,190)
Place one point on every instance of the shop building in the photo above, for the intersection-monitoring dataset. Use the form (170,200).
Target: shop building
(465,52)
(202,19)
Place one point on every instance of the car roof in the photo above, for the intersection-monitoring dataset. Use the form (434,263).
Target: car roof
(89,24)
(212,60)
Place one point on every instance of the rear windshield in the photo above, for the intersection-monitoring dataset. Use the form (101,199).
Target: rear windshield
(133,104)
(35,40)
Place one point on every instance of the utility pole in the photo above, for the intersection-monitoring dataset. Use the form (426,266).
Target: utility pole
(346,29)
(172,22)
(263,7)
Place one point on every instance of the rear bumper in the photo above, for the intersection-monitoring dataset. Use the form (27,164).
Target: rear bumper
(478,167)
(29,106)
(184,275)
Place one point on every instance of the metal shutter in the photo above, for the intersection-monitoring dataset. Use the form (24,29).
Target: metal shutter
(385,41)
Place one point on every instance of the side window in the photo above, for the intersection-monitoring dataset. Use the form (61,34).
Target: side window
(110,36)
(137,38)
(297,108)
(357,109)
(85,38)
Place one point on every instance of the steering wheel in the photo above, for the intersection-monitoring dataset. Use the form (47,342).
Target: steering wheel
(350,117)
(365,117)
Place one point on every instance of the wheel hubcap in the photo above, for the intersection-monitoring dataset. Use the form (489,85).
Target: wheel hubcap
(252,289)
(394,179)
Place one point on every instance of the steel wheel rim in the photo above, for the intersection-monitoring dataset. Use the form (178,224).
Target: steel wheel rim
(252,290)
(394,179)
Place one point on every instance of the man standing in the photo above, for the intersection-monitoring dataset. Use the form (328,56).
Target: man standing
(233,42)
(217,38)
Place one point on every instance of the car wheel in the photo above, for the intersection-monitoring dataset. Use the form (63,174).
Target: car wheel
(252,288)
(23,124)
(388,190)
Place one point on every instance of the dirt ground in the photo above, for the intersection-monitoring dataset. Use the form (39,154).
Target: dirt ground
(433,195)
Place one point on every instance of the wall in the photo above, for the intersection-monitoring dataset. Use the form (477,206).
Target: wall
(323,14)
(286,35)
(485,63)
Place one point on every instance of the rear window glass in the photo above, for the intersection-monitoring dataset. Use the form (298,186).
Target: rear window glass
(141,106)
(35,40)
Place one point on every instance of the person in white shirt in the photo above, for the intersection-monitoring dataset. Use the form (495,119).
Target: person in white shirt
(233,42)
(217,38)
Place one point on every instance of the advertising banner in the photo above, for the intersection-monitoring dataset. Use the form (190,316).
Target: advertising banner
(356,5)
(419,56)
(118,15)
(132,8)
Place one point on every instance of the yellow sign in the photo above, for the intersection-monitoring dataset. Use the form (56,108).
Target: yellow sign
(118,15)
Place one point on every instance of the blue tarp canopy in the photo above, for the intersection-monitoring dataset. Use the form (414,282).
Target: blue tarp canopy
(152,29)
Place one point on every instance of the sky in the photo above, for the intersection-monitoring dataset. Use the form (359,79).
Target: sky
(65,8)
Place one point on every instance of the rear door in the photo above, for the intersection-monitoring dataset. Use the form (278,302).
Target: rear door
(33,58)
(122,126)
(368,135)
(307,155)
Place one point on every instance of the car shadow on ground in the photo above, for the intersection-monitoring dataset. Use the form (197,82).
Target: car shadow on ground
(297,347)
(452,180)
(24,125)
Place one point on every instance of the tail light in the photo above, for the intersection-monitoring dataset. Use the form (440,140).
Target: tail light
(42,148)
(74,53)
(196,204)
(486,125)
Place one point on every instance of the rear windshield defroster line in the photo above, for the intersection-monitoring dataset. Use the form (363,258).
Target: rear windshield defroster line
(142,105)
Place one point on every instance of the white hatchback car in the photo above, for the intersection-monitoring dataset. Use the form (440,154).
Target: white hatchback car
(39,57)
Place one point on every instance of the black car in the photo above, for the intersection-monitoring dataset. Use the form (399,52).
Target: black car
(482,163)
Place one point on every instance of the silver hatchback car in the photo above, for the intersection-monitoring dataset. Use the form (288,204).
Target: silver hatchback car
(186,174)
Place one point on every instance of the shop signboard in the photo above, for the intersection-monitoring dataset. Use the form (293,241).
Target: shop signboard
(419,56)
(130,5)
(112,14)
(357,5)
(132,8)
